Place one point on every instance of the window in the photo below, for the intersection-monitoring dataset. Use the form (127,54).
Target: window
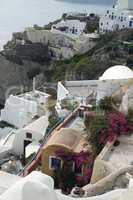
(55,163)
(78,169)
(130,23)
(121,19)
(29,135)
(112,17)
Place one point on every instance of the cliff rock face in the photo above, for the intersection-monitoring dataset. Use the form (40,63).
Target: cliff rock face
(36,52)
(60,45)
(20,61)
(111,49)
(14,77)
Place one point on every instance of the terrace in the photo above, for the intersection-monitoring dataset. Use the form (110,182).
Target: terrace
(113,157)
(121,155)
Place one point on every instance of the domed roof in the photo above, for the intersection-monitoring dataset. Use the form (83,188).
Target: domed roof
(117,72)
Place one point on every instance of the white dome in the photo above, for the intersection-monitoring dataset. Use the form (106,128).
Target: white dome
(117,72)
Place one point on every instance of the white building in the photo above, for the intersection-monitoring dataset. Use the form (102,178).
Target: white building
(62,93)
(23,122)
(25,141)
(112,80)
(86,91)
(21,110)
(117,18)
(71,28)
(31,135)
(125,4)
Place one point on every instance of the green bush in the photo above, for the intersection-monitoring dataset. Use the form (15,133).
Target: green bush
(97,124)
(108,104)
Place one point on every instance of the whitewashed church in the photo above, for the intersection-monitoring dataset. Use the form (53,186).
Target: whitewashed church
(119,17)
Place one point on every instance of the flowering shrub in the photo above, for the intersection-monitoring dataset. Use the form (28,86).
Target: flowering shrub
(107,128)
(88,173)
(118,125)
(85,158)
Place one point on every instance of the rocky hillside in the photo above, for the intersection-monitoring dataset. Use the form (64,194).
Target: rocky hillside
(15,77)
(111,49)
(20,63)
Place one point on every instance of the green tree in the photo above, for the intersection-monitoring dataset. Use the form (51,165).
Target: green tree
(108,104)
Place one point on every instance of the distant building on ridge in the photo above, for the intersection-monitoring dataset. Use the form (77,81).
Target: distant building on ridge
(119,17)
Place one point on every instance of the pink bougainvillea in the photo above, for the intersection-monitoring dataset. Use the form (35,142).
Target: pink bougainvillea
(118,125)
(85,158)
(114,125)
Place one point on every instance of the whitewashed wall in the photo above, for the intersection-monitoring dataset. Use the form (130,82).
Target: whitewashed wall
(18,111)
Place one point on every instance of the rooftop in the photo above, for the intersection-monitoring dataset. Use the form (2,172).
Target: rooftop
(4,134)
(35,95)
(72,136)
(32,148)
(121,155)
(81,88)
(65,137)
(117,72)
(24,108)
(38,126)
(71,23)
(7,180)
